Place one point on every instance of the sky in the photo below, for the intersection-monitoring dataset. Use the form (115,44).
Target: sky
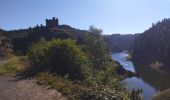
(112,16)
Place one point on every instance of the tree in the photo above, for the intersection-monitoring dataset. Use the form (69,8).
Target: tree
(136,94)
(62,57)
(96,47)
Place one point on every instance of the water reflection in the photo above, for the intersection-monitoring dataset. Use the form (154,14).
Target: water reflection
(160,81)
(149,80)
(121,58)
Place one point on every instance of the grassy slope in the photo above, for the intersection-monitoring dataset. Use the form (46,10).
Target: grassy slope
(71,89)
(164,95)
(17,64)
(63,85)
(14,64)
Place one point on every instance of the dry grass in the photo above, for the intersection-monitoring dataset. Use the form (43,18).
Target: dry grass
(14,64)
(63,85)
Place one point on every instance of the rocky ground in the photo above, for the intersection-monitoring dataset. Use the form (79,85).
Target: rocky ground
(13,88)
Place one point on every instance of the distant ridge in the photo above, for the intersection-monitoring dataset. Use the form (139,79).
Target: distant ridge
(153,46)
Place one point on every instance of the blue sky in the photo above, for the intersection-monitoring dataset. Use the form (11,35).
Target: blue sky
(112,16)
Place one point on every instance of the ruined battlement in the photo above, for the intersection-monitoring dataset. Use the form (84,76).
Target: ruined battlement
(52,23)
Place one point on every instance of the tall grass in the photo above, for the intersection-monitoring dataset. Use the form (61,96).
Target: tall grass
(14,65)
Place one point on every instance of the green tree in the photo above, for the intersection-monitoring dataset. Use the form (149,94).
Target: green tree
(96,47)
(62,57)
(136,94)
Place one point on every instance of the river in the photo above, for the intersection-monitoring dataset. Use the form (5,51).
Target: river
(149,80)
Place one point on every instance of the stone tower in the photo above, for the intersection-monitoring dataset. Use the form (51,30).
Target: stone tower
(52,23)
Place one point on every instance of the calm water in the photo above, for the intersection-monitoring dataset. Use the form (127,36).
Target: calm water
(149,80)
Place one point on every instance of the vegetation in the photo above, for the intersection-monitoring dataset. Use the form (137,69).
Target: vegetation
(96,48)
(62,84)
(135,94)
(119,42)
(154,78)
(152,47)
(77,65)
(77,62)
(59,56)
(83,91)
(89,67)
(164,95)
(23,38)
(14,65)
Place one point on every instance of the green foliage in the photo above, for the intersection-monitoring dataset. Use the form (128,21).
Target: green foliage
(96,48)
(61,57)
(71,89)
(111,90)
(120,42)
(22,38)
(102,85)
(153,46)
(37,55)
(136,94)
(93,66)
(81,91)
(64,57)
(56,82)
(13,65)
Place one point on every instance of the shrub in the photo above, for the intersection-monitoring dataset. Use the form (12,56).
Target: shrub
(96,48)
(59,56)
(99,91)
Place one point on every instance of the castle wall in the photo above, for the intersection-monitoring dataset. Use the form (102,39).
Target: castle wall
(52,23)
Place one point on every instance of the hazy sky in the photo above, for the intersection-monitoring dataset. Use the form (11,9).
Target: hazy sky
(113,16)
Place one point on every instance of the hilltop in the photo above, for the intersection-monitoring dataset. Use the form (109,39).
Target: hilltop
(23,38)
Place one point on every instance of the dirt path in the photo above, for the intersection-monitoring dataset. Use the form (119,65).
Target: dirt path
(11,88)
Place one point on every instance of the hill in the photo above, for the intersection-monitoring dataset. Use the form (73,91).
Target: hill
(119,42)
(153,46)
(21,39)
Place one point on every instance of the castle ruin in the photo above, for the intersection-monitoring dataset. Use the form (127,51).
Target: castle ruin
(52,23)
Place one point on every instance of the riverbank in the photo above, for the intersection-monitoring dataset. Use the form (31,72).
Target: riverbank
(124,72)
(16,68)
(147,79)
(164,95)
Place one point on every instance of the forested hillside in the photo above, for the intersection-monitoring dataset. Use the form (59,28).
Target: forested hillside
(153,46)
(21,39)
(119,42)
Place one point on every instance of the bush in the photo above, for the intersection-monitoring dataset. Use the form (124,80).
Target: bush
(13,65)
(59,56)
